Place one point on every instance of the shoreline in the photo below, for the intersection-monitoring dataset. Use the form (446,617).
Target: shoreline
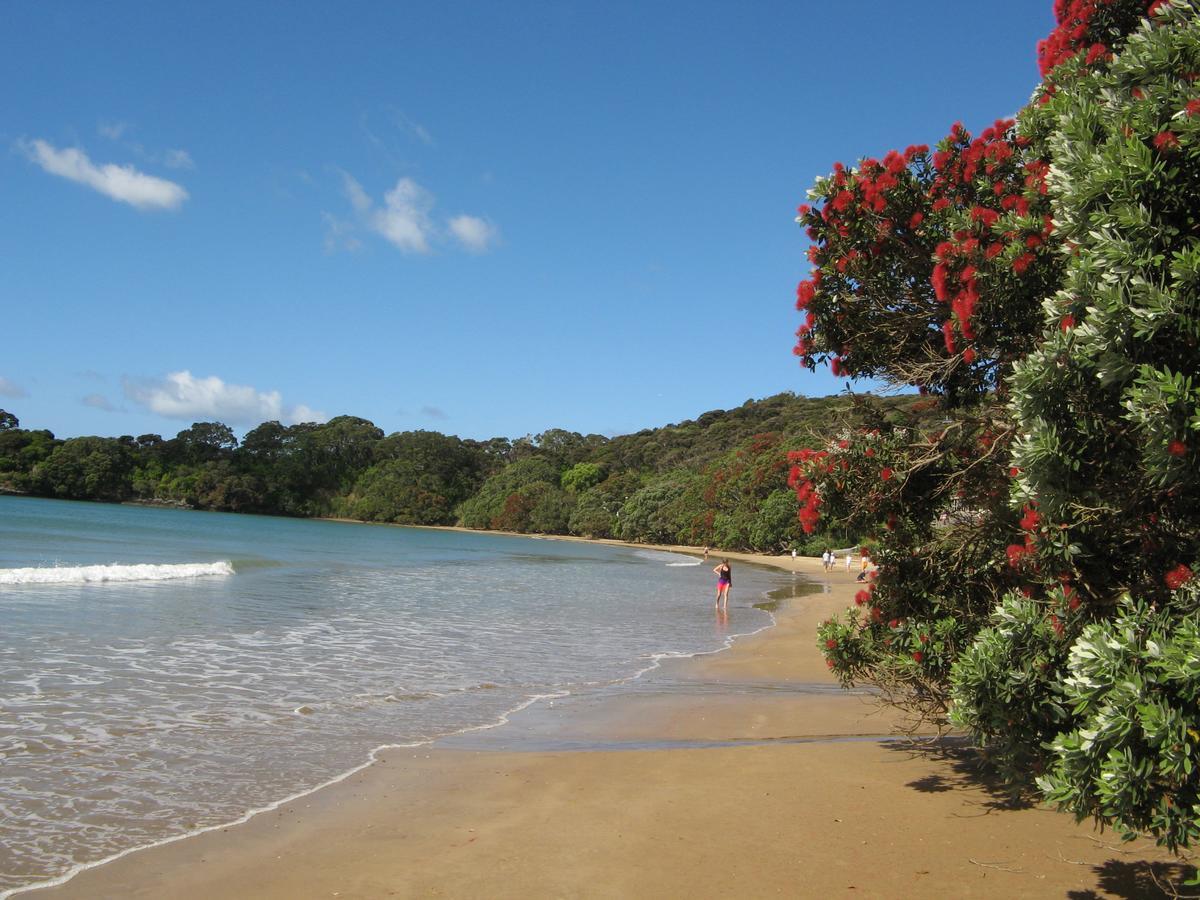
(374,754)
(705,750)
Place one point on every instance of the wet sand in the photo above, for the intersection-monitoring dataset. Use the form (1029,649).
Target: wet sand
(740,774)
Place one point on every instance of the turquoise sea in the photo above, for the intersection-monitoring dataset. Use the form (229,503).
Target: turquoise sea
(164,671)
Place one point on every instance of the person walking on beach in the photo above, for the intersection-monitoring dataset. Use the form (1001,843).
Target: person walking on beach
(724,581)
(847,562)
(706,554)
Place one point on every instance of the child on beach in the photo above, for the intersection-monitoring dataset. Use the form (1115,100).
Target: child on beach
(724,580)
(866,561)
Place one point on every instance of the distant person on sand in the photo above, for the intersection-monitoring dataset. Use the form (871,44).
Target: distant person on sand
(866,561)
(724,581)
(706,553)
(847,562)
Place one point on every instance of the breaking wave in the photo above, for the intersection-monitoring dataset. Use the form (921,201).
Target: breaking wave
(96,574)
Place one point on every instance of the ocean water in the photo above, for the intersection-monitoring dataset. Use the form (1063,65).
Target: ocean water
(164,671)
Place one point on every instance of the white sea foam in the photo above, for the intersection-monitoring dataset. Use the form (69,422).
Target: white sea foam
(667,557)
(96,574)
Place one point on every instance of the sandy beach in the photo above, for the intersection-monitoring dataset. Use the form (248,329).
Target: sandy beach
(748,774)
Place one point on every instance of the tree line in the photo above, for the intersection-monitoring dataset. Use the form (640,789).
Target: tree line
(721,479)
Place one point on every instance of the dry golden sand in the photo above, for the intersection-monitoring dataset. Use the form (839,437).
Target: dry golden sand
(738,782)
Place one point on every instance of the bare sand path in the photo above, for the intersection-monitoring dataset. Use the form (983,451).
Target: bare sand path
(750,777)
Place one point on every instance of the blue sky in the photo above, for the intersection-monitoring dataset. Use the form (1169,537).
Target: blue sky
(484,219)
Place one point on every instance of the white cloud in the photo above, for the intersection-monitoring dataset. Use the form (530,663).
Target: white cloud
(178,159)
(302,413)
(405,220)
(123,183)
(475,234)
(9,388)
(181,395)
(99,401)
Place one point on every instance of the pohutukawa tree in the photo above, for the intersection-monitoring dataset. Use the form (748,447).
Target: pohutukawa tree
(1037,541)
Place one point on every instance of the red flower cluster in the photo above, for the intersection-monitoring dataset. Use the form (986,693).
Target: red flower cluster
(1031,519)
(984,176)
(868,207)
(1084,23)
(1166,141)
(1178,577)
(806,492)
(1017,552)
(1177,448)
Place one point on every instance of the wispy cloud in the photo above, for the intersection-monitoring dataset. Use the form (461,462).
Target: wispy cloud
(9,388)
(475,234)
(172,159)
(178,159)
(99,401)
(339,234)
(411,127)
(122,183)
(433,412)
(405,220)
(112,130)
(181,395)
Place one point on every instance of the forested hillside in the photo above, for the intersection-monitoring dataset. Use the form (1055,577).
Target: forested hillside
(720,479)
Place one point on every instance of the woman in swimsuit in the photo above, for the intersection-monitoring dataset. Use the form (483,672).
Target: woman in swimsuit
(724,581)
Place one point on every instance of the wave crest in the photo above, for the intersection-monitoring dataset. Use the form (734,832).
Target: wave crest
(97,574)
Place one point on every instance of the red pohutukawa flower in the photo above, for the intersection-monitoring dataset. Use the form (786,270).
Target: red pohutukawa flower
(1067,323)
(918,656)
(1192,108)
(831,643)
(1166,141)
(1177,448)
(1178,577)
(862,598)
(805,291)
(1031,519)
(885,473)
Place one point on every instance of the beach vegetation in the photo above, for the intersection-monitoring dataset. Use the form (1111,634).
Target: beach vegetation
(582,476)
(720,480)
(1038,530)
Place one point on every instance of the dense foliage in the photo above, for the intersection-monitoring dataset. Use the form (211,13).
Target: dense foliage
(1036,547)
(720,480)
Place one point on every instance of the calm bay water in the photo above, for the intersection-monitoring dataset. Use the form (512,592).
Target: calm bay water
(166,670)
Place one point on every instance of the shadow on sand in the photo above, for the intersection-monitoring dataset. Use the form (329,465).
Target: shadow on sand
(963,766)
